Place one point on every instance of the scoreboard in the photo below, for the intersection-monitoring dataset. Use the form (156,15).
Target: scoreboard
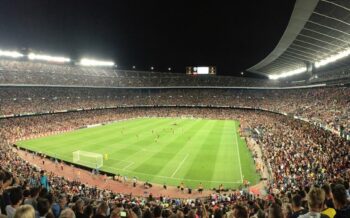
(202,70)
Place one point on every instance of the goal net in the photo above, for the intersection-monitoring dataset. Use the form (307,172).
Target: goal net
(89,159)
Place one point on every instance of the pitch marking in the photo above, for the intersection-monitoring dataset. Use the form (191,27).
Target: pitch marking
(178,167)
(239,155)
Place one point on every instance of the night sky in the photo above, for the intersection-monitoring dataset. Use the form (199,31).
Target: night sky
(232,35)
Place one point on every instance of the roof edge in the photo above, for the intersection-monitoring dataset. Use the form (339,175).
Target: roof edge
(300,15)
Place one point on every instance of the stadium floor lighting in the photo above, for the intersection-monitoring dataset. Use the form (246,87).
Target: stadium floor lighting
(32,56)
(92,62)
(10,54)
(287,74)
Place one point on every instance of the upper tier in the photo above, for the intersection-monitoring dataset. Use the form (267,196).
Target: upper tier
(37,73)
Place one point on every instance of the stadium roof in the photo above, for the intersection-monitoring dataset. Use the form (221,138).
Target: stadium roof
(317,33)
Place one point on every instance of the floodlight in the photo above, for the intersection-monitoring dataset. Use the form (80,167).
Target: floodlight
(333,58)
(169,68)
(152,68)
(10,54)
(41,57)
(91,62)
(242,73)
(133,67)
(289,73)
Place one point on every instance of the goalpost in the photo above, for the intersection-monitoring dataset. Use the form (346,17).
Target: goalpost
(89,159)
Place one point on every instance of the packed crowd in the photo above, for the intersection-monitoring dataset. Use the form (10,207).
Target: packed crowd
(27,72)
(298,153)
(309,167)
(32,72)
(327,106)
(338,75)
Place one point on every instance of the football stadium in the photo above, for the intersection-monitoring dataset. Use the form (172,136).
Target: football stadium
(150,132)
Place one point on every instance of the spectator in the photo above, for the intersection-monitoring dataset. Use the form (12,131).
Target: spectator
(16,198)
(316,198)
(296,206)
(60,206)
(67,213)
(157,212)
(115,213)
(239,212)
(329,198)
(44,208)
(24,211)
(102,210)
(275,211)
(328,204)
(32,199)
(44,181)
(341,202)
(88,211)
(79,208)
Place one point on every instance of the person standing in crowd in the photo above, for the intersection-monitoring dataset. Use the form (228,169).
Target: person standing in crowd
(25,211)
(67,213)
(79,208)
(341,201)
(239,211)
(44,182)
(275,211)
(16,197)
(32,200)
(57,208)
(297,206)
(43,208)
(315,198)
(102,210)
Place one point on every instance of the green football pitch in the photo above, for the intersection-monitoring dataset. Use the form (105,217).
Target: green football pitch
(160,150)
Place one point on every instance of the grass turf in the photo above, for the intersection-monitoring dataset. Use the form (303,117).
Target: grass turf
(161,150)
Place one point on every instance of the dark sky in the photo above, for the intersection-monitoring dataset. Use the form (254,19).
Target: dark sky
(232,35)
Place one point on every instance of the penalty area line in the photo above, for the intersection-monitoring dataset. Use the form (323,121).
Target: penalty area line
(178,167)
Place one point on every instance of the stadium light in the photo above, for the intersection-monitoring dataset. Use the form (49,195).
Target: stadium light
(32,56)
(10,54)
(287,74)
(91,62)
(333,58)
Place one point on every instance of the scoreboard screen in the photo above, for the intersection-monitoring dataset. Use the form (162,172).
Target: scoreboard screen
(202,70)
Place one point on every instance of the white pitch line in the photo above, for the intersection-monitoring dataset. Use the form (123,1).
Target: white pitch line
(239,155)
(127,166)
(178,167)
